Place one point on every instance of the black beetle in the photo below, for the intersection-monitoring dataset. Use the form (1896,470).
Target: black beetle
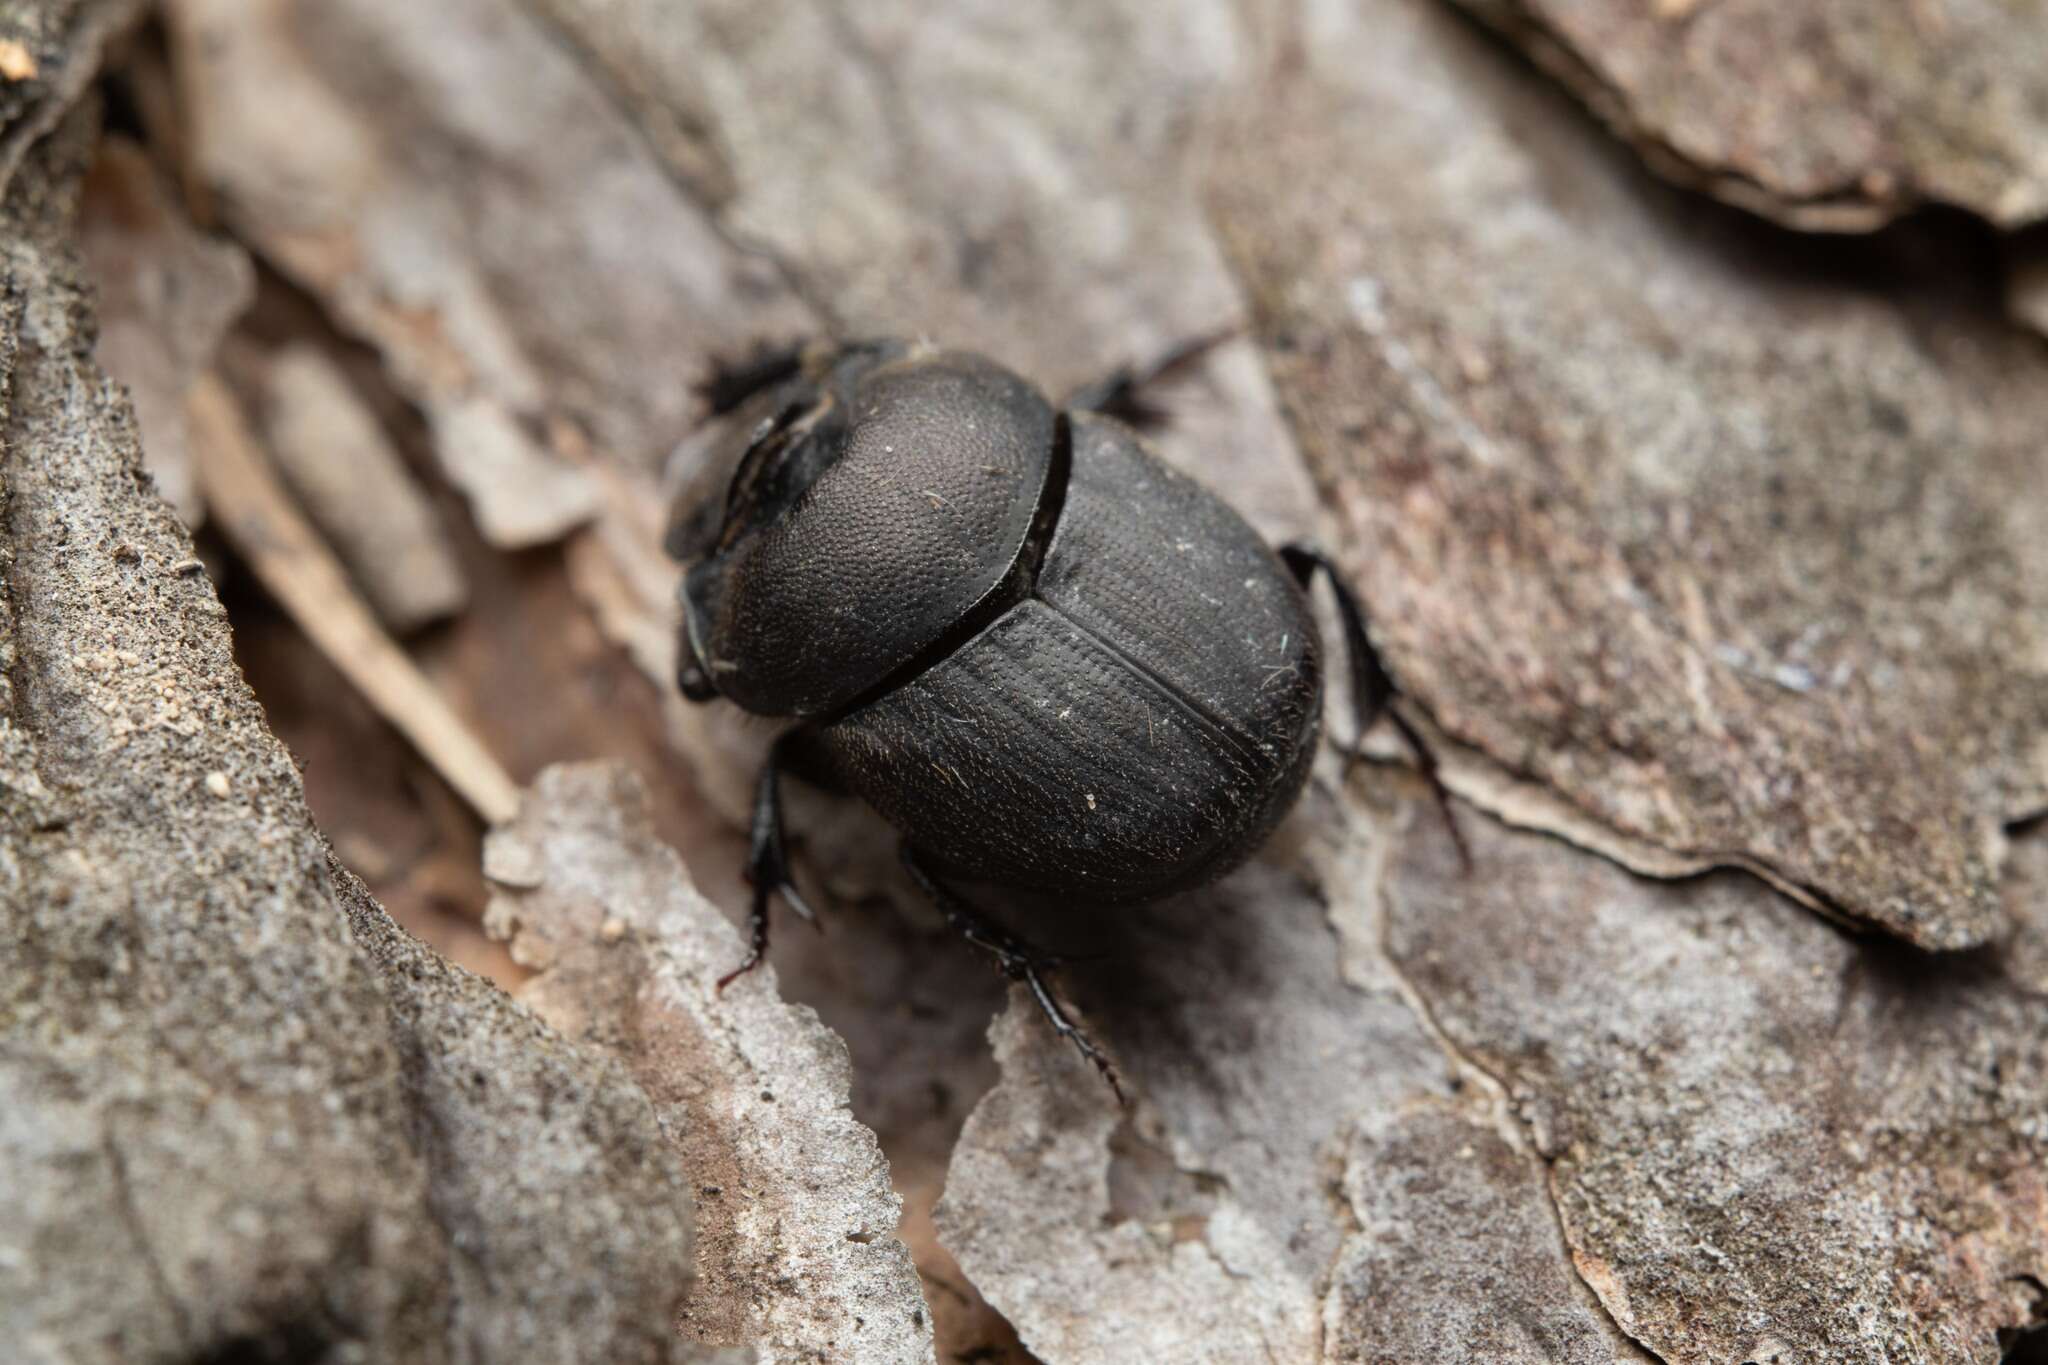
(1049,660)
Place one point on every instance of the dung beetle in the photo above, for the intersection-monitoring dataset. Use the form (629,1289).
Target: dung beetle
(1048,659)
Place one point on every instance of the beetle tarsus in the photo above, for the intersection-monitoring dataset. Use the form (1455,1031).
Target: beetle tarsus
(1372,687)
(1425,759)
(768,865)
(757,938)
(1017,960)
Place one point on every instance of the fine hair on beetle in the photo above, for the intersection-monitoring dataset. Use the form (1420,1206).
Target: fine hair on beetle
(1050,661)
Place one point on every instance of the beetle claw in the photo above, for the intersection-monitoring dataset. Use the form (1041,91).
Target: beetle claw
(796,903)
(757,938)
(1019,961)
(767,869)
(1372,687)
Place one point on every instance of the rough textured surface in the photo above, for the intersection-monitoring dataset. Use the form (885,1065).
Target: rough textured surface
(555,294)
(1456,1256)
(949,176)
(1836,1148)
(1017,178)
(1838,115)
(547,1168)
(1204,1225)
(797,1223)
(181,1003)
(1767,1140)
(53,49)
(167,296)
(1742,556)
(229,1126)
(357,489)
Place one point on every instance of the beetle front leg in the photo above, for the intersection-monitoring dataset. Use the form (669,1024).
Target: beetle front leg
(1372,687)
(1017,959)
(767,862)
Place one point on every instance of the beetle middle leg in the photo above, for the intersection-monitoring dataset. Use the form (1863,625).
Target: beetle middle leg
(1372,687)
(1017,959)
(768,860)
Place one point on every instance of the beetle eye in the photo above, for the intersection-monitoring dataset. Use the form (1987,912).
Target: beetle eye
(695,683)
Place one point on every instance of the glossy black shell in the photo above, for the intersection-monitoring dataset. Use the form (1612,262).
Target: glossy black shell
(883,503)
(1122,693)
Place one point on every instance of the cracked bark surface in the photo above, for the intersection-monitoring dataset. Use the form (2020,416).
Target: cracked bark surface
(168,294)
(1273,1196)
(1444,1201)
(54,50)
(457,190)
(1886,107)
(1378,1118)
(1838,1144)
(796,1218)
(1737,548)
(240,1112)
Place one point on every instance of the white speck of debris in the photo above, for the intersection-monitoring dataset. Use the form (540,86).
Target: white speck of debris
(1091,799)
(1066,712)
(217,783)
(1794,678)
(17,63)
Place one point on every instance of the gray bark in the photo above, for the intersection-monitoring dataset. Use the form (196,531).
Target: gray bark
(240,1110)
(1711,558)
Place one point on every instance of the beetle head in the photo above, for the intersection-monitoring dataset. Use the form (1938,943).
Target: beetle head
(878,495)
(787,433)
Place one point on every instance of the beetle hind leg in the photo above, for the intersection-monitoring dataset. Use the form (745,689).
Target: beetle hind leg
(767,864)
(1016,959)
(1372,687)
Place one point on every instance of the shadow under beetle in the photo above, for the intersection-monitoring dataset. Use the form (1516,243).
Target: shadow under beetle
(1049,660)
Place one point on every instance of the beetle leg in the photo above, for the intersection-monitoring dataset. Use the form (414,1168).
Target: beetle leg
(1372,687)
(1121,392)
(734,379)
(767,865)
(1017,959)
